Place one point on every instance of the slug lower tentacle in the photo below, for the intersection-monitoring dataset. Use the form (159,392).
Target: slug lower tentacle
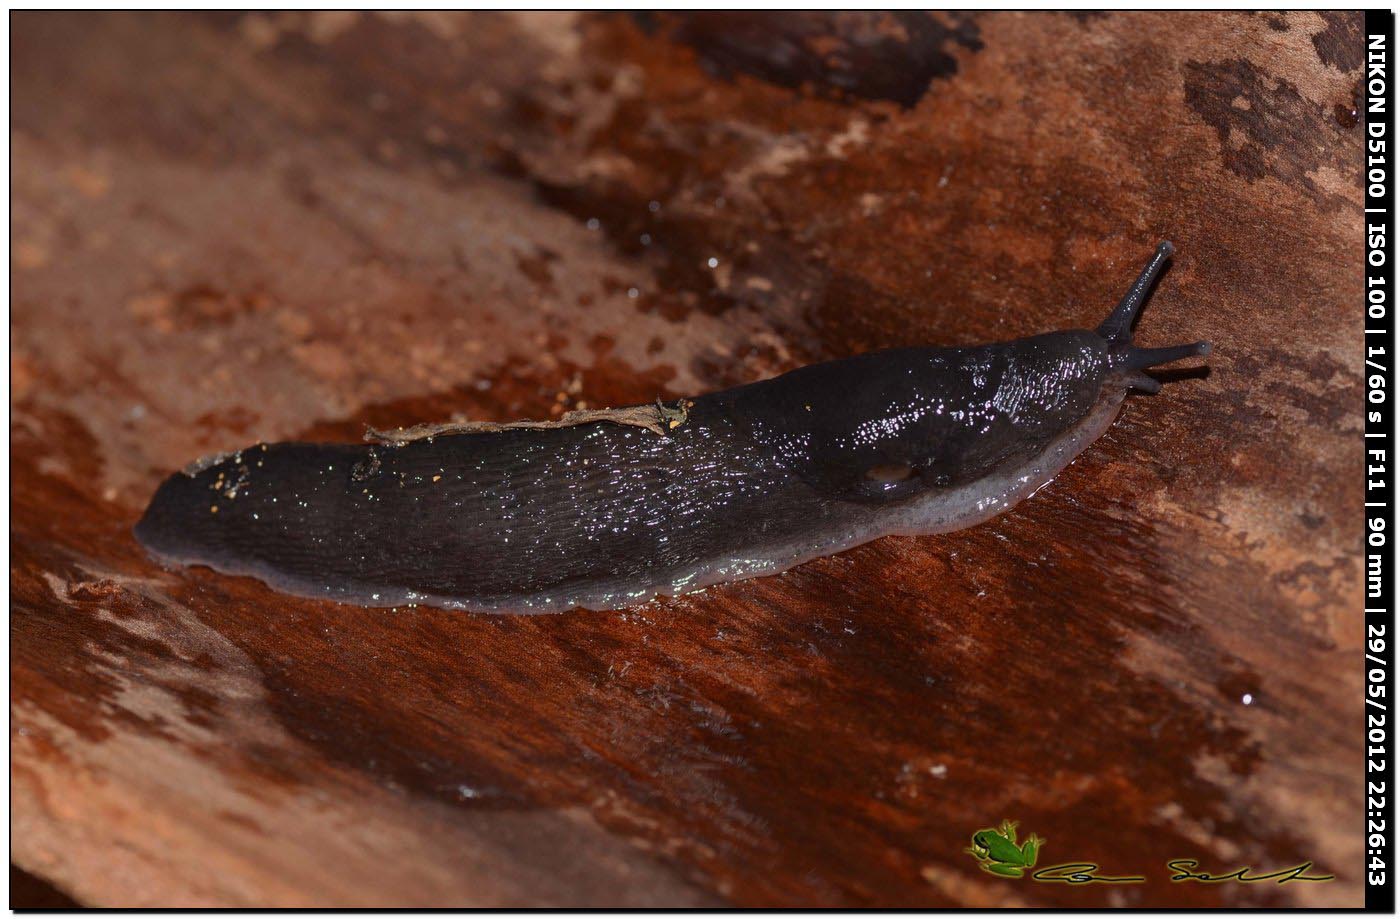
(602,513)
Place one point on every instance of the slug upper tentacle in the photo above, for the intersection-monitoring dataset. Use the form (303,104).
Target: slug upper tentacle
(600,512)
(1117,330)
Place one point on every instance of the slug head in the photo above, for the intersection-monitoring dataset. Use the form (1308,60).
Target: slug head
(885,426)
(888,425)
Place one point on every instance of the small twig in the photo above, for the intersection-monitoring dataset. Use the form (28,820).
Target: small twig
(658,418)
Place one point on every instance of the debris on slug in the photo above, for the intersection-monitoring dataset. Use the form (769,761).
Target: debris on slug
(365,468)
(674,417)
(230,488)
(659,419)
(213,459)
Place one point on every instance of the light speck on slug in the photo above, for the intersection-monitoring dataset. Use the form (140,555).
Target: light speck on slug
(610,510)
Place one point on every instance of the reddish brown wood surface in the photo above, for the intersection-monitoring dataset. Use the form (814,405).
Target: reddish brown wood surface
(272,227)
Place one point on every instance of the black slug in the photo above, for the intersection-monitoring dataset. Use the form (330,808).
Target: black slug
(605,509)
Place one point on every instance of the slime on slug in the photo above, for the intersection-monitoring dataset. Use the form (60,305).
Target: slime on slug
(611,508)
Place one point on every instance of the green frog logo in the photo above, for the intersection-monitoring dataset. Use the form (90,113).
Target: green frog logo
(996,850)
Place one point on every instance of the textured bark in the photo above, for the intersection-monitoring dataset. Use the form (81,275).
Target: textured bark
(272,227)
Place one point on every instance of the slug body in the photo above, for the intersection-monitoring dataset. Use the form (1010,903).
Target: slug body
(749,481)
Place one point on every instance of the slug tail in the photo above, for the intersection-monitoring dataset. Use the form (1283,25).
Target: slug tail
(1118,327)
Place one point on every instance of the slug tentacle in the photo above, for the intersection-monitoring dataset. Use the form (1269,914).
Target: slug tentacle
(1117,330)
(1142,358)
(596,510)
(1118,327)
(1136,379)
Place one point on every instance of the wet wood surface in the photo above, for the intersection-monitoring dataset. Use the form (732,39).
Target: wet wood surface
(244,228)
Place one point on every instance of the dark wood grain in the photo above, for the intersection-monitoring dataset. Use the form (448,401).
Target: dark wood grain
(270,227)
